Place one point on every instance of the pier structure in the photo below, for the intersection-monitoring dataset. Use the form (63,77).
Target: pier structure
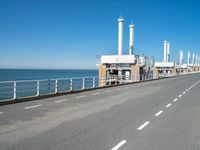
(190,66)
(165,68)
(120,68)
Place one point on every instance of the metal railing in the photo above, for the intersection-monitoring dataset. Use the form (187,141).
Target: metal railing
(12,90)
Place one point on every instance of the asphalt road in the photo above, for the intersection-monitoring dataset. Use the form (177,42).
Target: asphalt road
(154,115)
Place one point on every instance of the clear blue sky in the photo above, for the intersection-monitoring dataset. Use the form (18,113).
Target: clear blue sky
(68,34)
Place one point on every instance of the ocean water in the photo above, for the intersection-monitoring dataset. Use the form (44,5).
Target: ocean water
(26,88)
(36,74)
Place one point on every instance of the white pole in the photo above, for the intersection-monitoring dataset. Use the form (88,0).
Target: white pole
(38,88)
(71,84)
(83,84)
(120,35)
(93,82)
(15,90)
(56,86)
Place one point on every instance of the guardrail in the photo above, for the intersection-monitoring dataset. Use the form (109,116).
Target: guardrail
(12,90)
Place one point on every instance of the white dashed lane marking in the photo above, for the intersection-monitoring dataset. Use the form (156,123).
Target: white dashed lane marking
(158,113)
(143,125)
(168,105)
(1,112)
(34,106)
(175,99)
(95,93)
(59,101)
(120,144)
(82,96)
(180,96)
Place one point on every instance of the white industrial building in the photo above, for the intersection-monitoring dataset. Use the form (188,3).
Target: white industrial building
(165,68)
(120,67)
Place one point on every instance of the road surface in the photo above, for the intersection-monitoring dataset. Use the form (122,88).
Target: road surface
(154,115)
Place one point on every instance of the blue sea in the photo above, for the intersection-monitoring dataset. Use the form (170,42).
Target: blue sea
(36,74)
(25,88)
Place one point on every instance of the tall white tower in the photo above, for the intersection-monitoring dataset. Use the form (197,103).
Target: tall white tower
(193,58)
(168,52)
(188,61)
(165,51)
(131,42)
(196,59)
(181,57)
(120,35)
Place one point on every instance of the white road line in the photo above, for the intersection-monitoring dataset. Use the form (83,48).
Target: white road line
(108,91)
(95,93)
(175,99)
(183,92)
(126,87)
(34,106)
(186,90)
(158,113)
(59,101)
(1,112)
(134,86)
(143,125)
(168,105)
(82,96)
(120,144)
(180,96)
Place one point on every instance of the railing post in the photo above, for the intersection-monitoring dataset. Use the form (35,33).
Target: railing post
(71,84)
(56,86)
(93,82)
(83,87)
(15,90)
(38,88)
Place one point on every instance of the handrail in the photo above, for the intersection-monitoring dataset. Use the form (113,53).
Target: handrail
(12,90)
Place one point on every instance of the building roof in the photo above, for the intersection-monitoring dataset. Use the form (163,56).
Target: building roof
(164,64)
(116,59)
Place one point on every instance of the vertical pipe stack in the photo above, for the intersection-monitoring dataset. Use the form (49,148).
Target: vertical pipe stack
(181,57)
(131,42)
(120,35)
(188,61)
(165,51)
(196,59)
(168,52)
(193,58)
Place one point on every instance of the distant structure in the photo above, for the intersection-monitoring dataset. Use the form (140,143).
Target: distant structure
(165,68)
(131,41)
(120,68)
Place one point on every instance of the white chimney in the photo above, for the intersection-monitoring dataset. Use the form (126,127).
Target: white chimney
(181,57)
(188,61)
(120,35)
(193,58)
(165,51)
(196,59)
(168,52)
(131,42)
